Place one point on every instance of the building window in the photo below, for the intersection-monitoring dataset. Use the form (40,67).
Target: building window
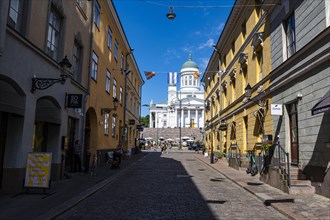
(122,62)
(120,95)
(107,82)
(244,30)
(113,127)
(290,31)
(114,89)
(106,124)
(109,38)
(15,17)
(233,48)
(95,61)
(53,34)
(76,61)
(97,14)
(190,80)
(116,50)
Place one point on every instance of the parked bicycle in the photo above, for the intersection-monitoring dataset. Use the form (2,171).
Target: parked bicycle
(252,168)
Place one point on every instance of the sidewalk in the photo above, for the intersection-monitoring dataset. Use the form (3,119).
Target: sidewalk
(293,206)
(63,193)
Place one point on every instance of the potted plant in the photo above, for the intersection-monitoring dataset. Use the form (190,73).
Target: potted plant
(266,148)
(221,155)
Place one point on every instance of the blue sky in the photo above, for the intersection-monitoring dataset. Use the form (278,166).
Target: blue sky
(163,45)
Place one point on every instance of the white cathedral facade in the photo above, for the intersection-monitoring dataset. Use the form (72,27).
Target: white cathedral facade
(185,106)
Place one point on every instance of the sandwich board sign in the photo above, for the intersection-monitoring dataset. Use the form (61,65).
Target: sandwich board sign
(38,168)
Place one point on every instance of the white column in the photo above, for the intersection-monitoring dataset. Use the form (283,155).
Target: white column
(168,118)
(150,119)
(196,118)
(156,119)
(189,116)
(182,117)
(176,118)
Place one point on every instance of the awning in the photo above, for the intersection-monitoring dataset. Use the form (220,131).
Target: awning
(323,105)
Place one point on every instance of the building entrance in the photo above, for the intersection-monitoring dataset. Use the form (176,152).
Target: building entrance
(3,131)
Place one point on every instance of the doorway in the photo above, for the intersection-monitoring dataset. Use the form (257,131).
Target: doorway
(3,132)
(293,124)
(69,154)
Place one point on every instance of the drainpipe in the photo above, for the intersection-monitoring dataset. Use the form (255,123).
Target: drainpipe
(88,85)
(126,72)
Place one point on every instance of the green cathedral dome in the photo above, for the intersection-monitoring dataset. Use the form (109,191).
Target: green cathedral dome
(189,63)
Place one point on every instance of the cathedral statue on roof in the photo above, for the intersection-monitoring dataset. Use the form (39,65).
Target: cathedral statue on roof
(185,102)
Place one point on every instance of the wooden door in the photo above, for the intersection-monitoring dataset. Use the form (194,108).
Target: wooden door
(293,117)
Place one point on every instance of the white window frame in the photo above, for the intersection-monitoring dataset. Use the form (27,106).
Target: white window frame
(120,95)
(122,62)
(53,37)
(113,126)
(97,14)
(290,35)
(107,81)
(114,88)
(95,60)
(76,60)
(109,38)
(116,50)
(106,123)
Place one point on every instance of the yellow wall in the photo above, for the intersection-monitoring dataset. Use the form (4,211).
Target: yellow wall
(233,109)
(99,98)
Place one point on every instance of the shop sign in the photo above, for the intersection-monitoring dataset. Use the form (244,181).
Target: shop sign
(74,100)
(276,109)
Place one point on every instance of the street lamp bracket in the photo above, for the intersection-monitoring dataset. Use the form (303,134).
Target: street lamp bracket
(45,83)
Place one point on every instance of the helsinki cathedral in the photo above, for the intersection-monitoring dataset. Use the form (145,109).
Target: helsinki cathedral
(185,103)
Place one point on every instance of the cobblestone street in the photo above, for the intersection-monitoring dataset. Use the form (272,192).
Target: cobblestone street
(171,186)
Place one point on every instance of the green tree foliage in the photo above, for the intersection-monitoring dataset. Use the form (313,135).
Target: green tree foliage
(144,121)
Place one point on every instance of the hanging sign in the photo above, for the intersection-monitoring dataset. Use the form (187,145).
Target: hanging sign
(38,167)
(276,109)
(74,100)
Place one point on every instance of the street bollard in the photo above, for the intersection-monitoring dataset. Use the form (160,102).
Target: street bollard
(212,157)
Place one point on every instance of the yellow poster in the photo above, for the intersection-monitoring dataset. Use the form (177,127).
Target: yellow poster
(38,170)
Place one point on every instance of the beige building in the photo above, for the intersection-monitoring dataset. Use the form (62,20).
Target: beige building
(41,106)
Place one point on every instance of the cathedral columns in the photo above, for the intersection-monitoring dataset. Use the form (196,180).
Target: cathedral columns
(196,118)
(182,117)
(189,118)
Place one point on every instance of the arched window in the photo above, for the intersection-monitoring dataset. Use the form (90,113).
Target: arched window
(190,80)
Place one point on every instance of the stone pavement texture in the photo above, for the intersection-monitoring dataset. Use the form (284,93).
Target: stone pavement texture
(293,206)
(171,186)
(62,195)
(68,196)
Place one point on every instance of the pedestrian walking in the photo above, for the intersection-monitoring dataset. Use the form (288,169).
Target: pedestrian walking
(77,156)
(93,165)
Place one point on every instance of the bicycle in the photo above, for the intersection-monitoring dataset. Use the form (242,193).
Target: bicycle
(252,168)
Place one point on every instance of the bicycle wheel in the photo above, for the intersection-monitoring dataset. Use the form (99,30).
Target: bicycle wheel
(254,170)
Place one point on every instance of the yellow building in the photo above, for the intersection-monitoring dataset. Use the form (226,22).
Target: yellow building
(106,122)
(241,59)
(134,84)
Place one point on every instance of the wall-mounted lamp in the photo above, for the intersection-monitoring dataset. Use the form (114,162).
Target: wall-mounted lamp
(108,110)
(248,94)
(45,83)
(171,15)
